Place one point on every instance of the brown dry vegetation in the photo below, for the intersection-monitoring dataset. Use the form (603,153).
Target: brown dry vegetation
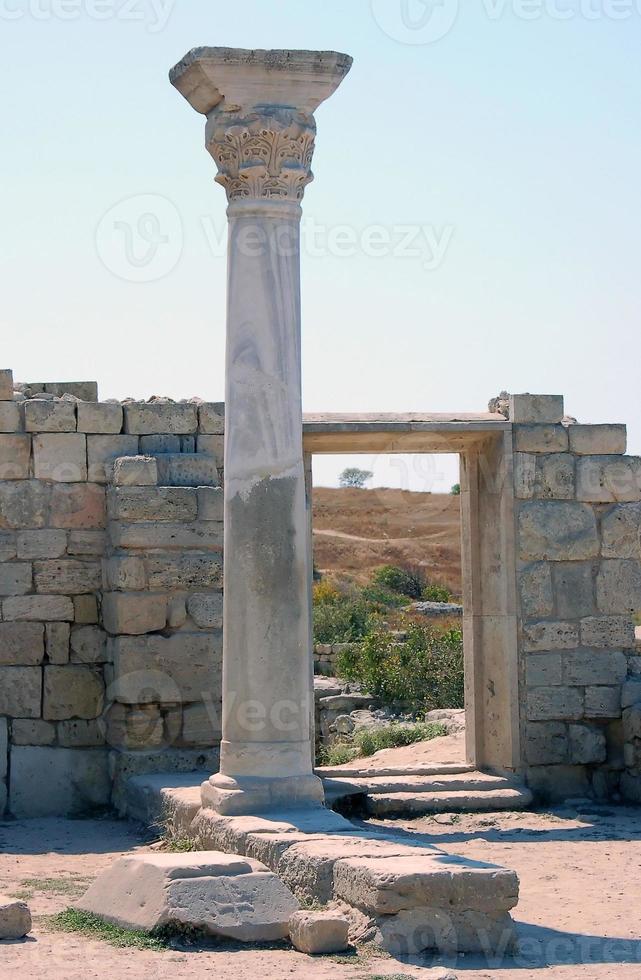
(356,531)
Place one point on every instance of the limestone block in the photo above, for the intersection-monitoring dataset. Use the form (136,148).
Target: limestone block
(24,504)
(6,385)
(20,692)
(187,470)
(184,572)
(544,669)
(557,530)
(185,667)
(550,636)
(211,418)
(587,745)
(78,506)
(554,477)
(57,642)
(10,420)
(67,576)
(540,438)
(206,610)
(621,532)
(618,587)
(133,613)
(15,456)
(524,475)
(15,919)
(160,417)
(608,479)
(86,391)
(554,704)
(583,667)
(546,743)
(210,503)
(72,692)
(450,932)
(38,608)
(632,722)
(603,702)
(573,585)
(88,645)
(79,734)
(124,574)
(8,546)
(60,457)
(153,504)
(85,609)
(536,408)
(4,752)
(204,535)
(607,631)
(319,932)
(202,723)
(104,418)
(631,787)
(598,440)
(16,578)
(188,444)
(21,644)
(212,446)
(135,471)
(177,612)
(103,450)
(41,544)
(552,783)
(138,728)
(58,782)
(154,445)
(32,732)
(631,693)
(221,894)
(87,544)
(50,416)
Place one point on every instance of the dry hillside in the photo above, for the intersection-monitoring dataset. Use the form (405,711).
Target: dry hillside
(355,531)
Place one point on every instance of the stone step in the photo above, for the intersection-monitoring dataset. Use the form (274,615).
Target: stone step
(447,783)
(456,801)
(187,470)
(433,769)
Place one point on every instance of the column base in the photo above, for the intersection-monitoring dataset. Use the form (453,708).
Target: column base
(254,794)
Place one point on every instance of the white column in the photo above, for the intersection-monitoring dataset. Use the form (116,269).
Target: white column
(260,131)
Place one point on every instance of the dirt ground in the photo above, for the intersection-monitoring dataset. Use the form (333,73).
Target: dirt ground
(578,916)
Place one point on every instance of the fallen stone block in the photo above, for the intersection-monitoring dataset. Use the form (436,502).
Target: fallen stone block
(15,919)
(319,932)
(220,894)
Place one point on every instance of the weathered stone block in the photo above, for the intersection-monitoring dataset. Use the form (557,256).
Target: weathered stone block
(135,471)
(632,722)
(32,732)
(212,446)
(124,574)
(88,645)
(38,608)
(584,667)
(210,503)
(587,745)
(317,933)
(607,631)
(50,416)
(621,532)
(546,743)
(573,584)
(60,457)
(177,612)
(556,783)
(631,693)
(72,692)
(554,704)
(21,692)
(540,438)
(550,636)
(205,535)
(187,470)
(155,445)
(104,418)
(557,530)
(24,504)
(89,544)
(608,479)
(202,723)
(536,408)
(182,668)
(78,506)
(153,504)
(211,418)
(81,734)
(554,477)
(15,457)
(10,420)
(4,752)
(184,572)
(15,578)
(598,440)
(21,643)
(86,391)
(206,610)
(58,782)
(15,918)
(524,475)
(618,587)
(8,546)
(160,418)
(67,576)
(85,609)
(544,669)
(6,384)
(57,642)
(41,544)
(133,613)
(135,729)
(103,450)
(603,702)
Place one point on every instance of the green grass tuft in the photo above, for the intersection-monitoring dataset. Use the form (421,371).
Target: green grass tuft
(371,740)
(87,924)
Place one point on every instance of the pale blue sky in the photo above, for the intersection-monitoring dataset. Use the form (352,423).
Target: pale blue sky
(511,144)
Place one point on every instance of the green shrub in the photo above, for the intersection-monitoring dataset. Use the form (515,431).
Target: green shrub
(346,621)
(372,740)
(456,490)
(337,754)
(437,593)
(424,672)
(398,580)
(382,598)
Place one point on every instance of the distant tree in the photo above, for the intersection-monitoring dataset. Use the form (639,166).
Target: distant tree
(353,477)
(456,490)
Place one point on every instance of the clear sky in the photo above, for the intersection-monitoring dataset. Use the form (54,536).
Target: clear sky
(474,224)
